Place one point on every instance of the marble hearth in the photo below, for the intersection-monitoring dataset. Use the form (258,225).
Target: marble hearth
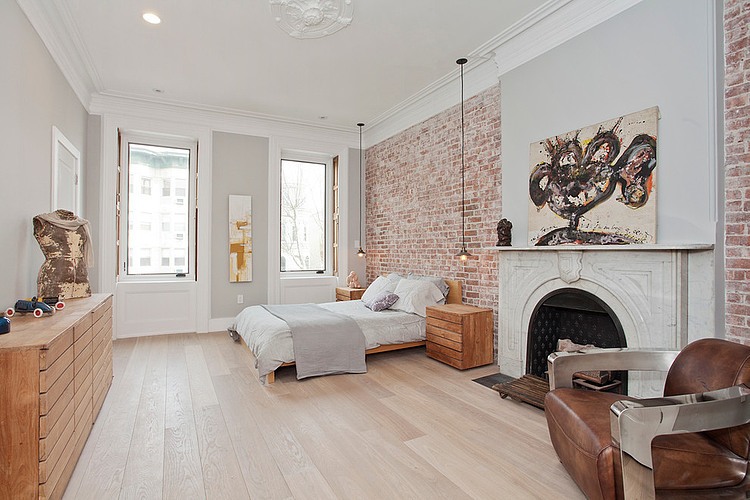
(663,296)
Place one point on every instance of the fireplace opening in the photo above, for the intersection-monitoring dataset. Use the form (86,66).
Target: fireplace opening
(583,318)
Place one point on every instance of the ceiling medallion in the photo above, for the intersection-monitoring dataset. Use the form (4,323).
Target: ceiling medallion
(312,18)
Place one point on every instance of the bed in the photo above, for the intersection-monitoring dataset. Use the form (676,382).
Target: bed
(270,339)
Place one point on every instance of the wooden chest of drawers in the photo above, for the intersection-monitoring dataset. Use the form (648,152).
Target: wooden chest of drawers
(51,393)
(346,293)
(460,335)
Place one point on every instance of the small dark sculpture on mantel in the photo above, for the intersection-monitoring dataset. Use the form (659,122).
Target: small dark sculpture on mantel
(503,233)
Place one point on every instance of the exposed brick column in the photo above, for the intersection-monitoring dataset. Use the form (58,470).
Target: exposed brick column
(737,155)
(413,199)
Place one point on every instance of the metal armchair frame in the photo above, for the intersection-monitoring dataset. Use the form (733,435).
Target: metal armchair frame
(634,424)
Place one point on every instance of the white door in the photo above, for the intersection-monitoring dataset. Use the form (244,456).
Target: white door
(66,165)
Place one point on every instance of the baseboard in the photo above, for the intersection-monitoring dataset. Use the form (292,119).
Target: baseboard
(220,324)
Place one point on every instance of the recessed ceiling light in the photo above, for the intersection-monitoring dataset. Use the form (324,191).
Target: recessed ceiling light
(151,18)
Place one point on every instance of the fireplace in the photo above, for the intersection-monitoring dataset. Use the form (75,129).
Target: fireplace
(581,317)
(657,296)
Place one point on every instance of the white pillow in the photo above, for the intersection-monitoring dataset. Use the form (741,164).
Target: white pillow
(415,295)
(381,284)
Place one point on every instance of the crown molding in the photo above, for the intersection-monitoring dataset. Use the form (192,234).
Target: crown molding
(549,26)
(64,45)
(220,119)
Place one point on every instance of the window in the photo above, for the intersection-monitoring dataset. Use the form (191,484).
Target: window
(162,164)
(179,258)
(145,224)
(165,253)
(305,220)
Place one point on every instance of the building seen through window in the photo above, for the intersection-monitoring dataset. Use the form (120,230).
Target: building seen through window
(158,217)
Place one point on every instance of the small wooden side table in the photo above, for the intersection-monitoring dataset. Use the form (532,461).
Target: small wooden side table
(346,293)
(460,335)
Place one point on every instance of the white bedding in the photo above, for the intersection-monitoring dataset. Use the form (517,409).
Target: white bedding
(270,340)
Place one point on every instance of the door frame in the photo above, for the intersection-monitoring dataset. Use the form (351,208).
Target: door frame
(59,142)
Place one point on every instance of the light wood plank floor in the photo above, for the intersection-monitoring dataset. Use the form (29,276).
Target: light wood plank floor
(187,418)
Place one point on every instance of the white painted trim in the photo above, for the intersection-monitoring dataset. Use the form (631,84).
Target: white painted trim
(716,154)
(549,26)
(205,200)
(276,145)
(107,251)
(220,119)
(479,74)
(274,214)
(108,174)
(65,46)
(220,324)
(712,139)
(188,144)
(59,139)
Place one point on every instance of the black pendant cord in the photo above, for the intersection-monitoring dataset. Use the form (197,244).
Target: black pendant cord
(360,251)
(463,254)
(463,184)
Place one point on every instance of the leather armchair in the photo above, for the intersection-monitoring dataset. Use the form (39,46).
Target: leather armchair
(692,443)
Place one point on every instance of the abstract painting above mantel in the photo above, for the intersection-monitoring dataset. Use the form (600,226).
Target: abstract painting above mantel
(574,176)
(240,239)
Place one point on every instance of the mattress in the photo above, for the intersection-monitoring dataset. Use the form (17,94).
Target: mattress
(270,340)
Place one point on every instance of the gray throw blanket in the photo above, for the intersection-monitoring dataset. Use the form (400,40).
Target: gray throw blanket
(324,342)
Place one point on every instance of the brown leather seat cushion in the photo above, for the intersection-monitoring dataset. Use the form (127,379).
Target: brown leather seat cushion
(579,428)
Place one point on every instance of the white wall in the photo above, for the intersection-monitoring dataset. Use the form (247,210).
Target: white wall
(34,96)
(657,53)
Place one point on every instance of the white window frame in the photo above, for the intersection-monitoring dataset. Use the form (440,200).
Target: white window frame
(166,141)
(284,289)
(327,160)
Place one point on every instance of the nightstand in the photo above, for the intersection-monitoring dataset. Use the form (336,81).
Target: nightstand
(460,335)
(346,293)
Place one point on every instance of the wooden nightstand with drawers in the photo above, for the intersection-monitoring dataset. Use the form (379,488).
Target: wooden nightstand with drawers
(460,335)
(346,293)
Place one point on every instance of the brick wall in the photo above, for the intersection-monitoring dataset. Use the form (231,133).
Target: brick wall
(737,164)
(413,199)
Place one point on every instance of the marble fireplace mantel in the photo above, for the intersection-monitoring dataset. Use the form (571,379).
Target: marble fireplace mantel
(663,295)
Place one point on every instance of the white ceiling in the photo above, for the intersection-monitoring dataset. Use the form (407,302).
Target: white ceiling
(229,54)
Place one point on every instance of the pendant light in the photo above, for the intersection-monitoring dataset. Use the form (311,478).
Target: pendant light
(360,252)
(463,254)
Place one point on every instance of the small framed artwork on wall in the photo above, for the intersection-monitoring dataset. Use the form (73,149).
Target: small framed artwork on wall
(240,239)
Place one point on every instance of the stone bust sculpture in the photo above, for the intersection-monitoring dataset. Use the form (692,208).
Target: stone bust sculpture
(503,233)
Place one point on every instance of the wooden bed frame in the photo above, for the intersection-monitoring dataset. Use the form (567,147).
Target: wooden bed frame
(455,296)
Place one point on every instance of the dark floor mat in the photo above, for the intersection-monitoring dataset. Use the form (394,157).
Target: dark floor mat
(490,380)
